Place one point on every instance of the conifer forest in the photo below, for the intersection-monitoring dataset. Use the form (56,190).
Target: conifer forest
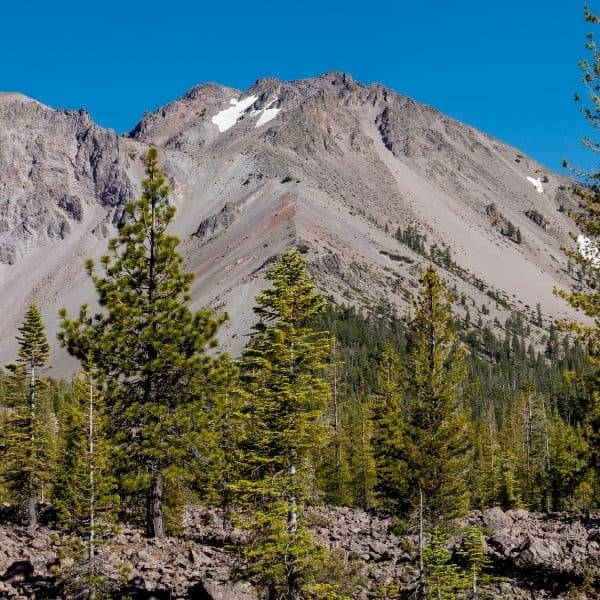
(424,416)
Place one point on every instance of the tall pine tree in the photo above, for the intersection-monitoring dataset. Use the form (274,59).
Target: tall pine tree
(84,496)
(586,295)
(29,429)
(388,440)
(283,373)
(437,435)
(150,351)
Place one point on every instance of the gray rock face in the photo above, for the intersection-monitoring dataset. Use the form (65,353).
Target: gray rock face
(556,541)
(215,223)
(327,164)
(53,166)
(540,556)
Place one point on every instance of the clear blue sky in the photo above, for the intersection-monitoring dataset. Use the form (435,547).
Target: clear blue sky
(508,67)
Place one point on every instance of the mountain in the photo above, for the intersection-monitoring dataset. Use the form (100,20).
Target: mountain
(328,165)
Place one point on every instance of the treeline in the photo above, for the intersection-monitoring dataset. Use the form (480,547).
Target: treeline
(528,406)
(424,418)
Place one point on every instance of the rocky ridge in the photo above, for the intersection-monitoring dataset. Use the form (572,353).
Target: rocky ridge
(554,556)
(327,164)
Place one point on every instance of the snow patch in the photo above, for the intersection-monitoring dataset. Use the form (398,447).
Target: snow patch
(228,117)
(268,114)
(537,183)
(589,250)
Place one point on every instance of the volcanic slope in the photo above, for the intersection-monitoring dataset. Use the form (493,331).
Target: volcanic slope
(327,165)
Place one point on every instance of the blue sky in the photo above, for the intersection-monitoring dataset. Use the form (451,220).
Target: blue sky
(508,67)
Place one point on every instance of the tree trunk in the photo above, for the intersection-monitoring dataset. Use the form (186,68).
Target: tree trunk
(293,592)
(32,520)
(91,459)
(292,519)
(421,538)
(155,523)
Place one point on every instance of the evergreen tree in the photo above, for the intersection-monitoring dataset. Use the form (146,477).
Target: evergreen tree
(569,474)
(76,576)
(84,493)
(392,482)
(473,553)
(487,476)
(437,432)
(525,436)
(150,351)
(586,295)
(334,470)
(361,469)
(442,578)
(221,424)
(283,374)
(29,428)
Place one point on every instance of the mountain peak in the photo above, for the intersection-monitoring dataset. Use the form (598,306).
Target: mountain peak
(341,169)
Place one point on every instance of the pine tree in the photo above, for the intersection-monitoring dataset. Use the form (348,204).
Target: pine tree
(474,554)
(83,496)
(150,351)
(526,439)
(510,495)
(487,475)
(29,429)
(443,578)
(570,477)
(84,493)
(283,373)
(358,451)
(586,296)
(437,432)
(333,470)
(388,420)
(78,577)
(221,424)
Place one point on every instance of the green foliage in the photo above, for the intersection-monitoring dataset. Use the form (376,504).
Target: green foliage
(413,239)
(359,457)
(333,468)
(34,347)
(512,232)
(569,474)
(443,579)
(282,375)
(288,564)
(84,482)
(28,436)
(488,477)
(474,555)
(222,428)
(150,351)
(286,395)
(586,295)
(437,431)
(500,368)
(525,437)
(360,340)
(392,483)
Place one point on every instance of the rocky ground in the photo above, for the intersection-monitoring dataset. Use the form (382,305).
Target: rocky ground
(538,556)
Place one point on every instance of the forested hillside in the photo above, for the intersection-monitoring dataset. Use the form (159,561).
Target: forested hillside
(392,420)
(423,416)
